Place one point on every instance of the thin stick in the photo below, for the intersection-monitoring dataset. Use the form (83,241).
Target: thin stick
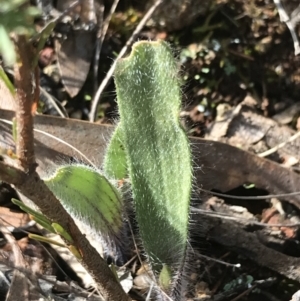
(100,39)
(110,72)
(280,145)
(241,219)
(149,292)
(24,104)
(51,99)
(291,28)
(282,13)
(100,25)
(237,265)
(260,197)
(290,23)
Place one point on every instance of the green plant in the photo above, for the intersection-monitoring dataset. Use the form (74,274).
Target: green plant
(150,148)
(157,152)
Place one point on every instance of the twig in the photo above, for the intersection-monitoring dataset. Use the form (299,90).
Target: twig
(290,22)
(110,72)
(149,292)
(129,261)
(241,219)
(236,265)
(291,28)
(98,47)
(259,197)
(52,100)
(280,145)
(282,13)
(100,38)
(24,103)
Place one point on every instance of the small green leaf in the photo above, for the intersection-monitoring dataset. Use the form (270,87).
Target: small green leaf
(36,216)
(113,269)
(249,186)
(41,222)
(14,129)
(7,81)
(46,240)
(62,232)
(90,199)
(115,166)
(165,278)
(75,252)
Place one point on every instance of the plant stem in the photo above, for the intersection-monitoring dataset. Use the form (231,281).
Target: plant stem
(24,101)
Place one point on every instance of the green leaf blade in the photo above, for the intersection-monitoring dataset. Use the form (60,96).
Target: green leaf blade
(158,152)
(115,164)
(90,199)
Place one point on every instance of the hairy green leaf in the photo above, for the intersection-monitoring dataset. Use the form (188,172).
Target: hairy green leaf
(157,151)
(115,166)
(90,199)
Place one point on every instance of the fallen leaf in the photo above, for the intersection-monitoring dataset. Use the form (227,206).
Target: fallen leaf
(74,56)
(217,165)
(10,218)
(7,101)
